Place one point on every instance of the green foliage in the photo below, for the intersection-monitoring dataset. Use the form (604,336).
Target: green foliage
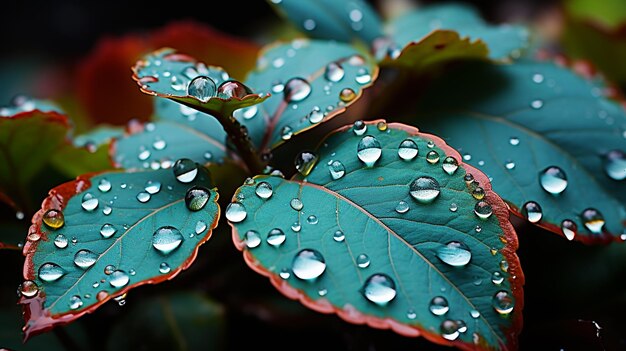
(515,121)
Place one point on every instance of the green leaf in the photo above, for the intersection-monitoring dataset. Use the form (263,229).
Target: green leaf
(362,222)
(438,33)
(515,121)
(167,73)
(186,321)
(136,228)
(608,13)
(291,70)
(340,20)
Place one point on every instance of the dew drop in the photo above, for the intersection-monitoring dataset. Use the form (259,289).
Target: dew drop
(264,190)
(152,187)
(334,72)
(166,239)
(236,212)
(50,272)
(382,126)
(104,185)
(347,95)
(497,278)
(185,170)
(339,236)
(89,202)
(75,302)
(410,314)
(305,161)
(509,165)
(276,237)
(246,112)
(143,197)
(503,302)
(322,292)
(196,198)
(453,207)
(569,228)
(200,227)
(109,269)
(308,264)
(432,157)
(119,279)
(474,314)
(233,89)
(424,189)
(514,141)
(536,104)
(296,89)
(478,193)
(402,207)
(359,128)
(60,241)
(407,149)
(337,170)
(316,115)
(28,289)
(454,254)
(462,327)
(483,210)
(164,268)
(379,288)
(615,164)
(439,306)
(312,219)
(252,239)
(85,258)
(286,133)
(363,76)
(449,330)
(284,273)
(296,204)
(532,211)
(553,180)
(504,266)
(159,144)
(362,261)
(369,150)
(593,220)
(202,88)
(538,78)
(450,165)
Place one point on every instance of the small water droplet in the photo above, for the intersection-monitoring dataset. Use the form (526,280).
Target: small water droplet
(60,241)
(497,278)
(107,210)
(407,149)
(462,327)
(75,302)
(308,264)
(468,178)
(347,95)
(104,185)
(309,24)
(615,164)
(334,72)
(424,189)
(143,197)
(246,112)
(514,141)
(532,211)
(474,314)
(362,261)
(509,164)
(316,115)
(264,190)
(164,268)
(369,150)
(569,229)
(89,202)
(28,289)
(538,78)
(143,155)
(276,237)
(50,272)
(185,170)
(432,157)
(339,236)
(284,273)
(503,302)
(236,212)
(107,230)
(553,180)
(382,126)
(483,210)
(504,266)
(152,187)
(449,330)
(252,239)
(159,144)
(200,227)
(363,76)
(296,89)
(593,220)
(439,306)
(478,193)
(536,104)
(379,288)
(85,258)
(454,254)
(296,204)
(402,207)
(337,170)
(196,198)
(166,239)
(109,269)
(118,279)
(450,165)
(202,88)
(359,128)
(286,133)
(410,314)
(305,161)
(312,219)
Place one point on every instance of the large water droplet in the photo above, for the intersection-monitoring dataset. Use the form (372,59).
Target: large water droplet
(202,88)
(369,150)
(449,330)
(336,169)
(28,289)
(89,202)
(60,241)
(450,165)
(75,302)
(166,239)
(379,288)
(593,220)
(347,95)
(532,211)
(185,170)
(236,212)
(104,185)
(196,198)
(54,219)
(49,272)
(264,190)
(432,157)
(483,210)
(85,258)
(553,180)
(119,279)
(339,236)
(334,72)
(308,264)
(305,161)
(296,89)
(503,302)
(439,306)
(362,261)
(152,187)
(407,149)
(252,239)
(424,189)
(143,197)
(296,204)
(569,229)
(107,230)
(615,164)
(233,89)
(359,128)
(402,207)
(454,254)
(276,237)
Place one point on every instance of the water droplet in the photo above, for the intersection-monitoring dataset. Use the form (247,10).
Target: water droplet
(196,198)
(236,212)
(60,241)
(109,269)
(28,289)
(453,207)
(119,279)
(202,88)
(309,24)
(569,229)
(483,210)
(185,170)
(369,150)
(497,278)
(322,292)
(316,115)
(132,272)
(75,302)
(104,185)
(143,197)
(450,165)
(200,227)
(538,78)
(468,178)
(532,211)
(362,261)
(449,330)
(553,180)
(233,89)
(152,187)
(246,112)
(284,273)
(478,193)
(164,268)
(336,169)
(402,207)
(467,157)
(286,133)
(363,76)
(143,155)
(504,266)
(379,288)
(296,89)
(509,164)
(252,239)
(159,144)
(276,237)
(593,220)
(407,149)
(474,314)
(514,141)
(439,306)
(462,327)
(296,204)
(89,202)
(312,219)
(503,302)
(305,161)
(339,236)
(536,104)
(308,264)
(166,239)
(432,157)
(85,259)
(264,190)
(424,189)
(410,314)
(454,254)
(615,164)
(334,72)
(50,272)
(347,95)
(359,128)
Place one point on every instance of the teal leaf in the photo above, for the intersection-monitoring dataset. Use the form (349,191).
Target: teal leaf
(22,103)
(167,73)
(340,20)
(169,322)
(98,136)
(397,245)
(516,121)
(311,82)
(99,236)
(449,31)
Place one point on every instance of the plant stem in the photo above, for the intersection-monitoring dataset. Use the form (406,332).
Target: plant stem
(65,339)
(238,135)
